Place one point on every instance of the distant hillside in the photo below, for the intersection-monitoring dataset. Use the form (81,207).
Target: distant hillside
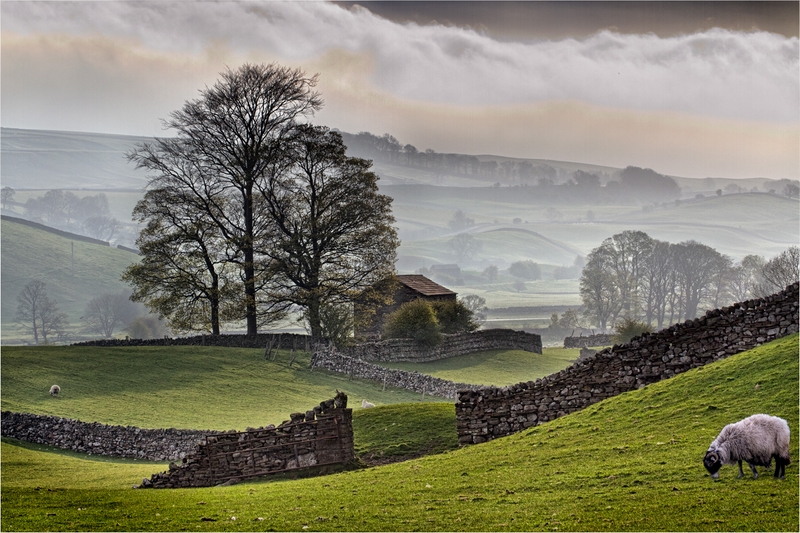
(39,159)
(30,253)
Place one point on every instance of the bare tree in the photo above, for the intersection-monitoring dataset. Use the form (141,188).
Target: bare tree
(779,272)
(696,265)
(465,246)
(332,232)
(7,195)
(744,277)
(108,312)
(37,313)
(460,221)
(490,272)
(598,288)
(658,283)
(476,305)
(235,130)
(101,227)
(185,273)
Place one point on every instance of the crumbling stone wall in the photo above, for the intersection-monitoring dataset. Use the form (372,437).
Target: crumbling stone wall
(492,412)
(322,436)
(100,439)
(330,359)
(453,345)
(319,437)
(598,339)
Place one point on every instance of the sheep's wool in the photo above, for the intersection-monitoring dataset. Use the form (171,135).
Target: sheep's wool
(755,440)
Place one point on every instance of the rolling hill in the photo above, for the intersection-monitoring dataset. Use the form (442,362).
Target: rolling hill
(74,271)
(630,463)
(41,159)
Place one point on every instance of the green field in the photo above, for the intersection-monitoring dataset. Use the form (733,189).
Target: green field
(497,367)
(172,386)
(30,253)
(631,463)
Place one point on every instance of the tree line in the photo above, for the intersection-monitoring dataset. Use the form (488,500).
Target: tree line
(633,276)
(252,211)
(40,316)
(539,180)
(88,215)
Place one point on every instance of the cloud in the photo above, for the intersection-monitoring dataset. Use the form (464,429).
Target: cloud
(710,103)
(720,73)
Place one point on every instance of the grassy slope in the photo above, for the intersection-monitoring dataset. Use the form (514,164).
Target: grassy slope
(511,244)
(172,386)
(30,253)
(632,463)
(496,367)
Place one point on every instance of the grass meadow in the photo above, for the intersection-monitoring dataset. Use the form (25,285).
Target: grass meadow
(630,463)
(174,386)
(496,367)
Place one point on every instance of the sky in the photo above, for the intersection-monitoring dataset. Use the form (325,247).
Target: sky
(693,89)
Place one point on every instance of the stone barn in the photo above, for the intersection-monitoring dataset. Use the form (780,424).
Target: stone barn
(404,288)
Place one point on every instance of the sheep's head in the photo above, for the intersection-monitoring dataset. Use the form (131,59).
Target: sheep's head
(713,463)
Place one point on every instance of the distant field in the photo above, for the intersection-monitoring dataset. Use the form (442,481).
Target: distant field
(630,463)
(496,367)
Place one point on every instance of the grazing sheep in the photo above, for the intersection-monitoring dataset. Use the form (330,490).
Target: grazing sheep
(366,405)
(755,440)
(54,390)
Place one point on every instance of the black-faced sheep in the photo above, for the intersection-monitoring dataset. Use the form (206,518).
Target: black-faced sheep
(54,390)
(754,440)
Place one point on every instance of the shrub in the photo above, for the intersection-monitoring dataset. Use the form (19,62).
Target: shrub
(147,327)
(628,328)
(454,317)
(414,320)
(527,270)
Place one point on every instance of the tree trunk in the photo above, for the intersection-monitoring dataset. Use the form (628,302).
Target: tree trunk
(314,320)
(215,315)
(249,263)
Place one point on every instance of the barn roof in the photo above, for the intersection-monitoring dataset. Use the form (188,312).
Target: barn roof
(423,285)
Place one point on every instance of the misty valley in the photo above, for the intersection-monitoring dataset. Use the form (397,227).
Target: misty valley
(466,222)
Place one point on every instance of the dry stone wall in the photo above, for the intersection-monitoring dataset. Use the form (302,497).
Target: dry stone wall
(329,359)
(392,350)
(100,439)
(320,437)
(317,438)
(598,339)
(491,412)
(283,341)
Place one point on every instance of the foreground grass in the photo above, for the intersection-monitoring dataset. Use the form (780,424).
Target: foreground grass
(177,386)
(395,432)
(632,463)
(495,367)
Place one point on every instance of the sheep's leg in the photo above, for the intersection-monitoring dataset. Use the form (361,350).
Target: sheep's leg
(753,468)
(780,468)
(741,474)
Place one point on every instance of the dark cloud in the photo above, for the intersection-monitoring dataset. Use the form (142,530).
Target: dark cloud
(556,20)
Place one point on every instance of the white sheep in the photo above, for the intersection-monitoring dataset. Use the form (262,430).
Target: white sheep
(366,405)
(54,390)
(755,440)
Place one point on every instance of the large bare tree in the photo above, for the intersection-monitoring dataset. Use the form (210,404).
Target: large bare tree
(235,131)
(332,232)
(184,274)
